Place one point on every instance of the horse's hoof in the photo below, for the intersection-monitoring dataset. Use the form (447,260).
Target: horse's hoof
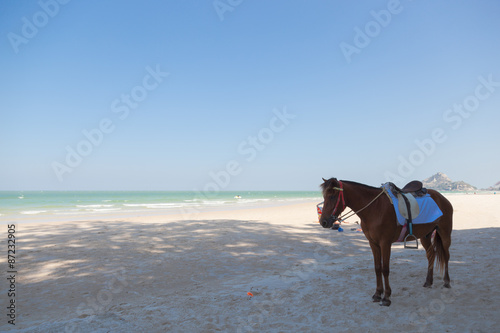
(376,298)
(447,285)
(385,302)
(427,285)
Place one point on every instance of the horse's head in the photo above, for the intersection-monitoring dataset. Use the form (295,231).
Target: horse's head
(334,204)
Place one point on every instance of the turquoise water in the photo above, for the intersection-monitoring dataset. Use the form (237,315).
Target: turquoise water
(52,205)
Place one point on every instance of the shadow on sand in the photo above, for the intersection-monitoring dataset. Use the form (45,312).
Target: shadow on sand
(196,274)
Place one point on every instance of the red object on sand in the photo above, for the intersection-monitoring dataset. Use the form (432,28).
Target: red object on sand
(319,210)
(249,294)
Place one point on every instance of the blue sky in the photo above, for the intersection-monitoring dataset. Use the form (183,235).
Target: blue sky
(246,95)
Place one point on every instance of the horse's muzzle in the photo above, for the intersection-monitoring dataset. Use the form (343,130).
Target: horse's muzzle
(328,222)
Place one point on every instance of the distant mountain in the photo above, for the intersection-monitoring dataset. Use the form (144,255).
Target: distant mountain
(495,187)
(442,182)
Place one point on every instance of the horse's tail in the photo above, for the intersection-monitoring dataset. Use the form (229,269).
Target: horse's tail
(439,252)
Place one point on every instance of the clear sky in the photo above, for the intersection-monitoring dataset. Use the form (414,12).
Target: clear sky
(247,95)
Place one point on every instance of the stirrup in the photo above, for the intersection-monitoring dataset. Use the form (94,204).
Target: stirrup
(414,239)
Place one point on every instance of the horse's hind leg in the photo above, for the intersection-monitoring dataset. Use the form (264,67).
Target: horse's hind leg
(431,255)
(446,242)
(442,242)
(446,276)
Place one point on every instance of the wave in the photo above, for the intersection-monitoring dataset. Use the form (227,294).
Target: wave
(103,209)
(93,206)
(215,202)
(244,201)
(33,212)
(155,205)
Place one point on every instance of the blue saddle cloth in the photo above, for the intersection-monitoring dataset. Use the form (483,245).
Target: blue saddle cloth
(429,210)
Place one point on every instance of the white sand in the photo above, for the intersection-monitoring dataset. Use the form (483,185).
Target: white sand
(193,273)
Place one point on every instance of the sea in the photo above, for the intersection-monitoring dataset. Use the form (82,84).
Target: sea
(47,206)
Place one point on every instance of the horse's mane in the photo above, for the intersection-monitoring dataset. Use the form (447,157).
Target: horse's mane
(362,185)
(331,181)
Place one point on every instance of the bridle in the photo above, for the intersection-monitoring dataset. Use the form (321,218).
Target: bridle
(339,198)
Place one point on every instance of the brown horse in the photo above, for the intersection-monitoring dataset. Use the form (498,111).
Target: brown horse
(380,226)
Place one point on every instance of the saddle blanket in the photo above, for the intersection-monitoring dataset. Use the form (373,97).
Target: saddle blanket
(429,210)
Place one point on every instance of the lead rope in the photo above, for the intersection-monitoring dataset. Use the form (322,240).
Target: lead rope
(352,213)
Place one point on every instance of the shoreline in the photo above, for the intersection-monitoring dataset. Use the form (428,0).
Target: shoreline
(184,211)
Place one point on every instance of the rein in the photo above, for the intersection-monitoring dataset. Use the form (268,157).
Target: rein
(351,213)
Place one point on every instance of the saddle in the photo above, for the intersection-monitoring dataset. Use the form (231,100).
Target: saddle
(408,206)
(414,187)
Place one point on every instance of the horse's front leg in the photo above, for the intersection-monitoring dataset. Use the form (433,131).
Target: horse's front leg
(378,271)
(386,258)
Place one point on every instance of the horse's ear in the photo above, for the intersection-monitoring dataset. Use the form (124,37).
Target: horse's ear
(324,180)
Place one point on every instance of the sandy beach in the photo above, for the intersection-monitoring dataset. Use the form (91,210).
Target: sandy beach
(268,269)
